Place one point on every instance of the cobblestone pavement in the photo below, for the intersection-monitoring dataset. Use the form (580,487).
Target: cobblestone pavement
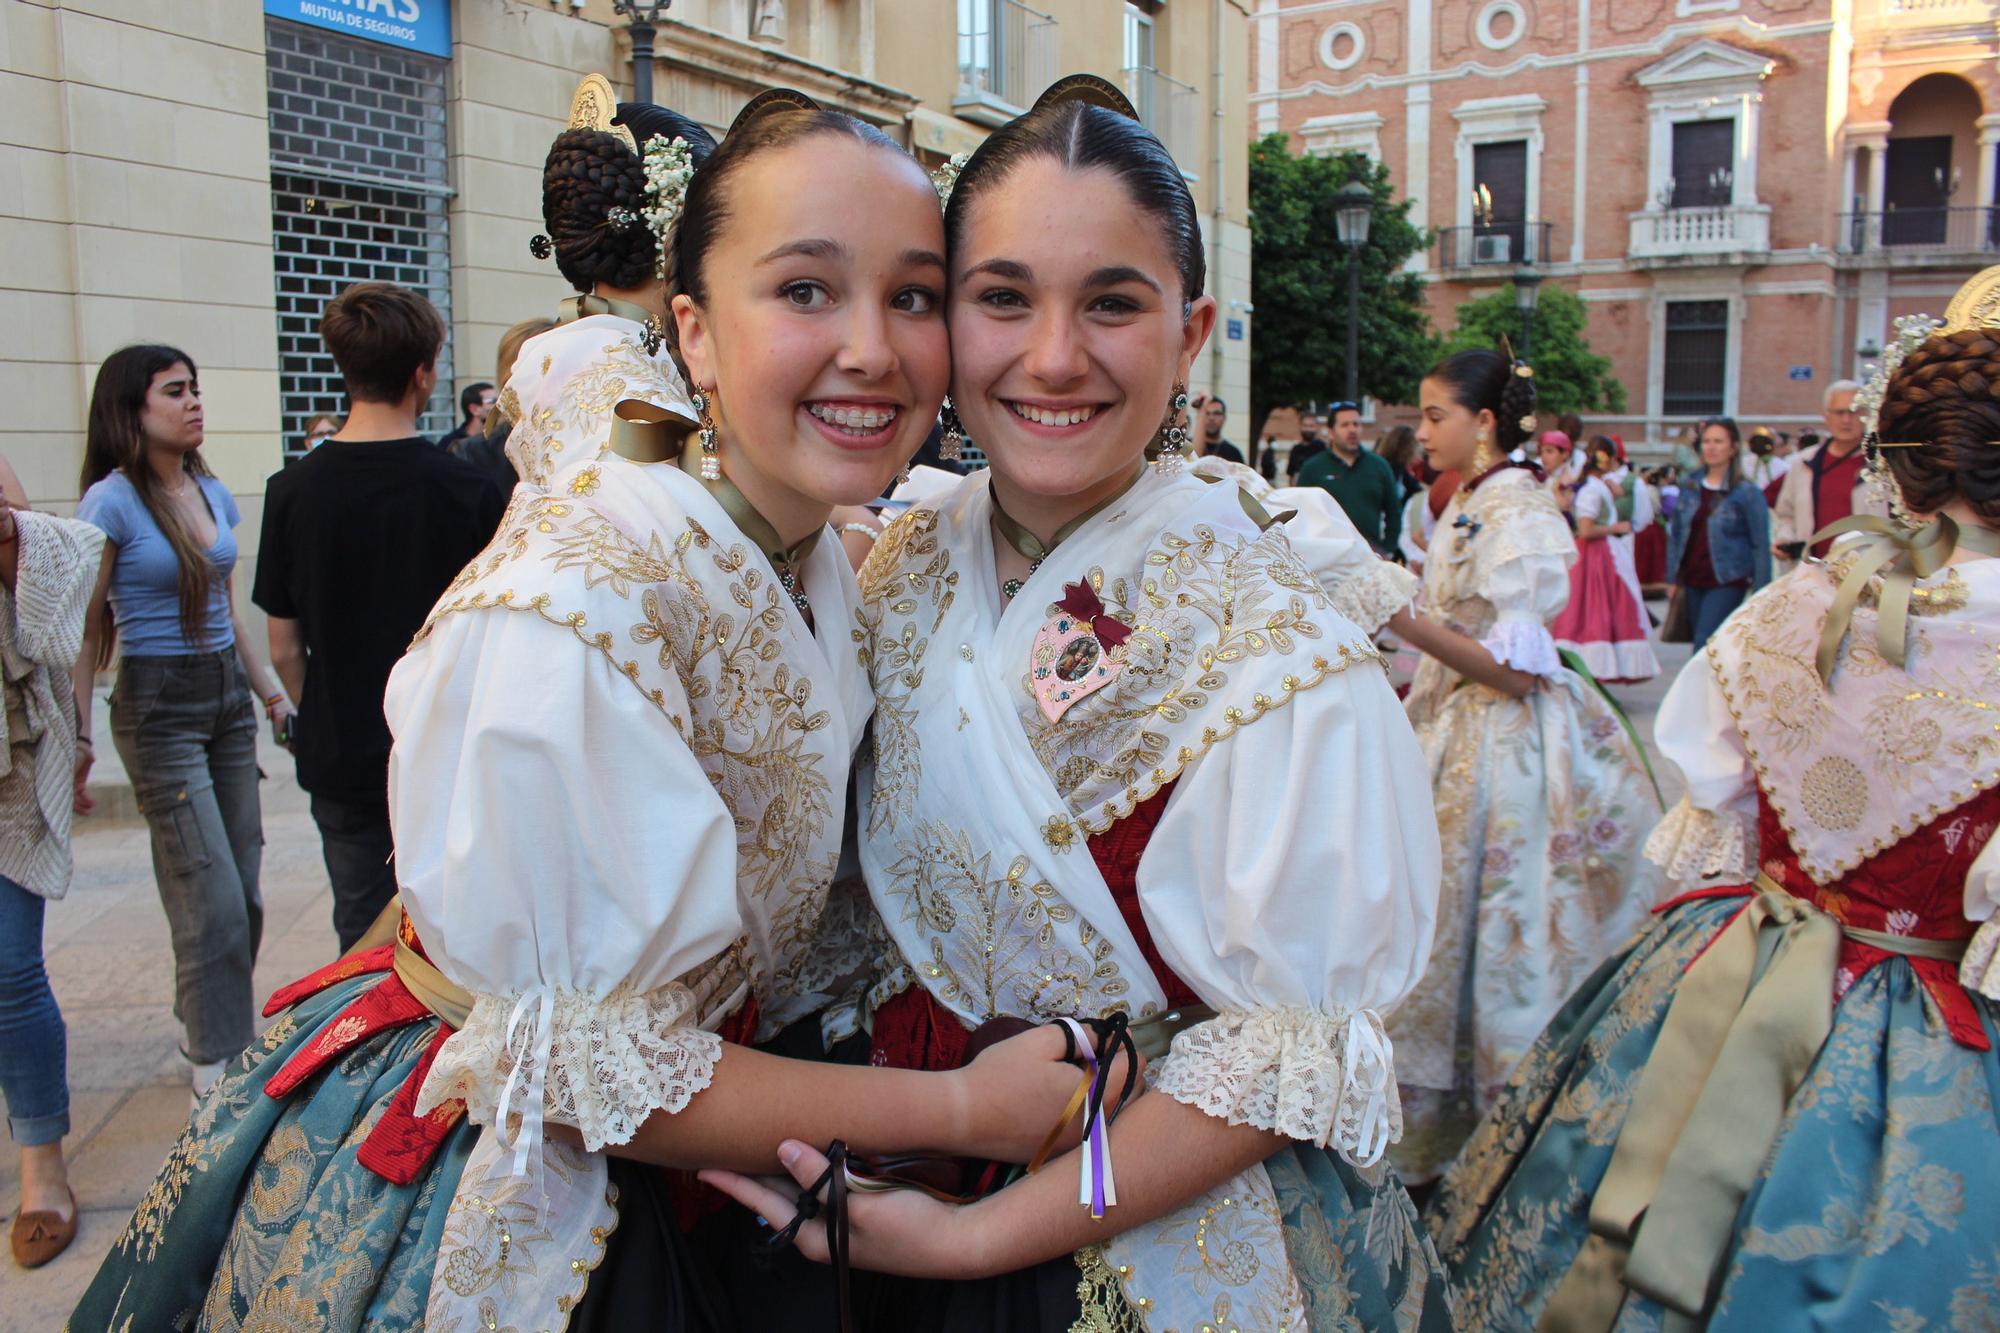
(112,969)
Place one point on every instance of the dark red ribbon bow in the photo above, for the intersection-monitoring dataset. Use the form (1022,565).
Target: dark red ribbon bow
(1081,601)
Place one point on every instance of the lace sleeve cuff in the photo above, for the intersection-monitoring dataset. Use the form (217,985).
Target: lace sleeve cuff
(1979,970)
(1326,1078)
(601,1064)
(1370,597)
(1694,845)
(1524,645)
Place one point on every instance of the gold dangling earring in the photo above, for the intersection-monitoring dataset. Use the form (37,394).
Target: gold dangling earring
(711,466)
(1482,456)
(1174,435)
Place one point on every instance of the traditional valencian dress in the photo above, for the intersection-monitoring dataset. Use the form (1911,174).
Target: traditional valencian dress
(1229,840)
(1542,803)
(1791,1076)
(1604,623)
(621,648)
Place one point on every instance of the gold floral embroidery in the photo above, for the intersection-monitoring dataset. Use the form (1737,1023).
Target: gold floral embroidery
(1000,944)
(579,417)
(586,481)
(1101,1298)
(1059,833)
(710,648)
(1909,744)
(908,570)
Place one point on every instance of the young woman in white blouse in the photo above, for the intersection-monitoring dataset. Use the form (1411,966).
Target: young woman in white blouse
(1198,811)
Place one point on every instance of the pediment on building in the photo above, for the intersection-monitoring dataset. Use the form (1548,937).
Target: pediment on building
(1706,63)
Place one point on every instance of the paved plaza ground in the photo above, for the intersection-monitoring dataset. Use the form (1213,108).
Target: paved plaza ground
(112,969)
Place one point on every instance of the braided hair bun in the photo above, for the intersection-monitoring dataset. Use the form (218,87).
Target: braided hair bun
(588,174)
(1480,378)
(1943,400)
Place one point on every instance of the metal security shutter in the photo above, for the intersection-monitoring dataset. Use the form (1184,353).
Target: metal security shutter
(358,194)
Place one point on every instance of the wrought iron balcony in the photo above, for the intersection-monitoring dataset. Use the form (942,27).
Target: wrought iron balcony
(1497,245)
(1920,234)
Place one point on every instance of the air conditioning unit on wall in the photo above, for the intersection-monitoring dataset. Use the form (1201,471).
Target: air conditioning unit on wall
(1492,249)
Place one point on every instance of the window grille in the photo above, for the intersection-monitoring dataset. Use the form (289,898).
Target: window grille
(358,194)
(1697,358)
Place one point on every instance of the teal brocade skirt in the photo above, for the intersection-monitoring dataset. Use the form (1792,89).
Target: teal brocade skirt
(1878,1206)
(263,1219)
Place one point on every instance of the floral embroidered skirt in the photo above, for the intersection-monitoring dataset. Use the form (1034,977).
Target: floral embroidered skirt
(1543,805)
(1874,1208)
(263,1218)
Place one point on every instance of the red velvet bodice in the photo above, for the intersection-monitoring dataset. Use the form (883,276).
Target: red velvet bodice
(1915,887)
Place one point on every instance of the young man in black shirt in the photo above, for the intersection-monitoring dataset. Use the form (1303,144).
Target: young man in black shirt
(360,538)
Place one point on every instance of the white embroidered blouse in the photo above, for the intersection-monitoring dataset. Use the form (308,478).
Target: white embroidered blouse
(1291,882)
(565,383)
(1498,570)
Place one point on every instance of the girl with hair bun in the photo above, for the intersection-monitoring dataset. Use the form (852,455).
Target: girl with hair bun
(609,190)
(1775,1107)
(1542,792)
(622,742)
(1132,766)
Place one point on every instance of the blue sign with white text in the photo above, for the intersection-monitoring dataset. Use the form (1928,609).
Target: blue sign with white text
(1801,372)
(1235,330)
(413,25)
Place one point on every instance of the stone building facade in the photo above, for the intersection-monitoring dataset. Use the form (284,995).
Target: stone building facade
(209,175)
(1744,192)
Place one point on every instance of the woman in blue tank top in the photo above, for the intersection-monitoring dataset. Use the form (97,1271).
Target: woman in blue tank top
(181,713)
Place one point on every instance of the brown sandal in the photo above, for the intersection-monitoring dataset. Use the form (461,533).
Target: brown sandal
(40,1237)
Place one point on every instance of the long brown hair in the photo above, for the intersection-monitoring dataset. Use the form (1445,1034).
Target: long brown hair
(114,442)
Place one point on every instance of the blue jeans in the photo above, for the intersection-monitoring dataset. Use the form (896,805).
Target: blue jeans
(187,731)
(34,1046)
(1709,607)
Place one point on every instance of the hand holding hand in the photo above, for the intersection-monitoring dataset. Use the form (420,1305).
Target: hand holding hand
(1015,1090)
(894,1231)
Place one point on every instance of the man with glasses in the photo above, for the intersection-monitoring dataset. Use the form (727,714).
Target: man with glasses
(1363,482)
(1826,483)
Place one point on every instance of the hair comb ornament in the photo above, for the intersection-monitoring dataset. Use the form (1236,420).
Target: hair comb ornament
(771,102)
(1088,89)
(594,106)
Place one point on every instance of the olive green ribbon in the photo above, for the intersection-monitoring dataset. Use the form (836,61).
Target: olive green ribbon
(1030,547)
(435,991)
(1901,556)
(1746,1022)
(786,560)
(576,307)
(644,432)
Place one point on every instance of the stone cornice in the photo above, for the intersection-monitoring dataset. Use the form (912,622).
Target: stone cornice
(755,67)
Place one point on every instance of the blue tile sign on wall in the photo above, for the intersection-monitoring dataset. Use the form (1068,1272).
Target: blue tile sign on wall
(414,25)
(1236,330)
(1801,372)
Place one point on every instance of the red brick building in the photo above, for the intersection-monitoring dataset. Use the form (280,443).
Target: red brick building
(1745,193)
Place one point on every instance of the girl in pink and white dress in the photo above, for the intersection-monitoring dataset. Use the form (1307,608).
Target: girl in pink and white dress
(1604,624)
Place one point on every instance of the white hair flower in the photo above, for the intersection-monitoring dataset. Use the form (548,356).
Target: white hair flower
(669,168)
(945,178)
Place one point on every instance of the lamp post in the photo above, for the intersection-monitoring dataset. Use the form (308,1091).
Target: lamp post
(1527,286)
(1354,209)
(645,16)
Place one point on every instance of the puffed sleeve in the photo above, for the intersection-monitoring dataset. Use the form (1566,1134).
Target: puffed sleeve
(1363,587)
(1980,968)
(1710,836)
(1293,884)
(1524,573)
(565,859)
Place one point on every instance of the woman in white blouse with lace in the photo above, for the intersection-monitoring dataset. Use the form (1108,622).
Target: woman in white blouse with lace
(1130,759)
(1542,793)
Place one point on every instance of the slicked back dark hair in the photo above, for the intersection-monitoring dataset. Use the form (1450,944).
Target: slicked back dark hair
(587,174)
(1082,135)
(773,120)
(1480,377)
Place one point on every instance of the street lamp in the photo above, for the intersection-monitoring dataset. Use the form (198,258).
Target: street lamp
(1354,209)
(1527,286)
(645,16)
